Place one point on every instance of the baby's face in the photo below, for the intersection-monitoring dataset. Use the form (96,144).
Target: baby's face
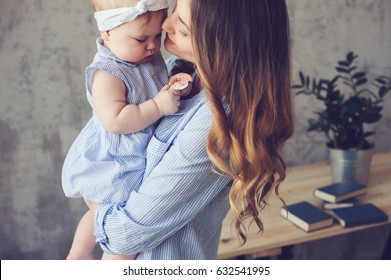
(137,41)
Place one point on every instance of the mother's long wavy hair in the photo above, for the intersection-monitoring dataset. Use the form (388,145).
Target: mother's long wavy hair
(242,49)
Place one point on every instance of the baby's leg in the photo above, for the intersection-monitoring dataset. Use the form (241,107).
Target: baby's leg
(84,241)
(117,257)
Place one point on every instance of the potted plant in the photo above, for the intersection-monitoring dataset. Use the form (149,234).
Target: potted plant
(349,104)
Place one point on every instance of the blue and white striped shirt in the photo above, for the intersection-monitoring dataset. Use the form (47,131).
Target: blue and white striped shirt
(177,211)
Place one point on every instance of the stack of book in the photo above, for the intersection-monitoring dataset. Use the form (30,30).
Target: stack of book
(339,199)
(338,204)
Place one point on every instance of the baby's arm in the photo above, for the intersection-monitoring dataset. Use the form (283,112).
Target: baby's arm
(118,117)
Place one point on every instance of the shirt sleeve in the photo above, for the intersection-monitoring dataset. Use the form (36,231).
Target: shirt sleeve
(176,190)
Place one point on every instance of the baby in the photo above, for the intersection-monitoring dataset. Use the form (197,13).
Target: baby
(128,90)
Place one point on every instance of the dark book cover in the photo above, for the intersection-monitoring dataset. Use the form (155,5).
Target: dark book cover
(306,216)
(339,191)
(359,215)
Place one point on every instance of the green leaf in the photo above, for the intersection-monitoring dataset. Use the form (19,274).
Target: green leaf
(348,83)
(343,63)
(314,85)
(361,82)
(370,133)
(333,96)
(300,92)
(322,85)
(381,81)
(313,125)
(351,56)
(352,106)
(383,91)
(375,110)
(369,118)
(359,75)
(334,80)
(302,78)
(345,78)
(342,70)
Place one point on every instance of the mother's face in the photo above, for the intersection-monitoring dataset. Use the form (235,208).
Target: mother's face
(177,27)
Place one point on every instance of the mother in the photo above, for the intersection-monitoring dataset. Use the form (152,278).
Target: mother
(235,122)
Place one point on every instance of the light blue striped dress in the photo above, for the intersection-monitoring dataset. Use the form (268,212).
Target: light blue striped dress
(102,166)
(177,211)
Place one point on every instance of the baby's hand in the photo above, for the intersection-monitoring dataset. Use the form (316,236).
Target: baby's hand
(167,101)
(181,82)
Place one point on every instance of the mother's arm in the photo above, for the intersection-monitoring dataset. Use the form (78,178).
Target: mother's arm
(176,190)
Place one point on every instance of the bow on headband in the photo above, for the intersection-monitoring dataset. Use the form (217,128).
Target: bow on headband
(112,18)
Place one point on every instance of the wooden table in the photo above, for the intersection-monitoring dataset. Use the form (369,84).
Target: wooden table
(299,186)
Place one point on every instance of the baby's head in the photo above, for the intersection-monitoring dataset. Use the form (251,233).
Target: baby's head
(102,5)
(131,29)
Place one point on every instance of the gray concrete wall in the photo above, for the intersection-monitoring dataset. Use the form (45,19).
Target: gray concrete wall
(323,32)
(44,48)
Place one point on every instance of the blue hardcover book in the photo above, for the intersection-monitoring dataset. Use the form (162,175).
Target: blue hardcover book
(339,191)
(306,216)
(359,215)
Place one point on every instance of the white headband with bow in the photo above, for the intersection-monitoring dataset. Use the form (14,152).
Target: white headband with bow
(112,18)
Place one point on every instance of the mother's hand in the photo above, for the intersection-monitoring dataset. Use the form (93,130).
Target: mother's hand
(92,205)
